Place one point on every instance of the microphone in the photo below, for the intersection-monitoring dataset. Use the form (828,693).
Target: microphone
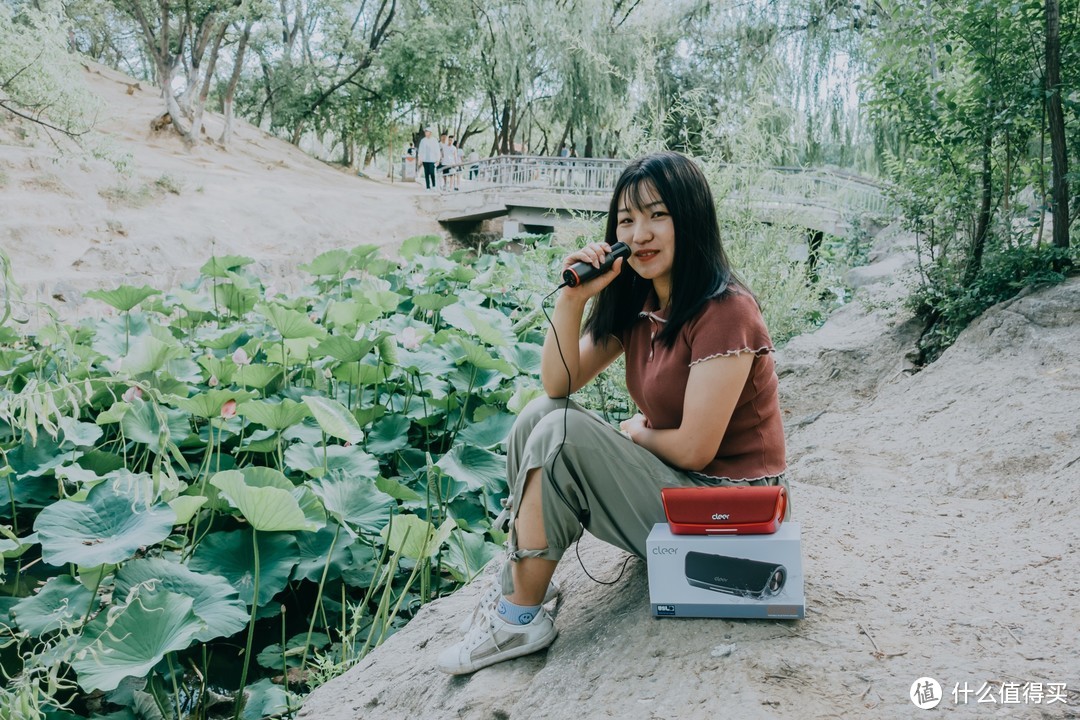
(582,271)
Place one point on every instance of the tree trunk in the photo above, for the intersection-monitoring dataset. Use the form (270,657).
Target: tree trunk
(208,79)
(234,80)
(504,129)
(982,228)
(1059,186)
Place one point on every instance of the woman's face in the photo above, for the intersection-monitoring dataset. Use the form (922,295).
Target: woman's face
(649,231)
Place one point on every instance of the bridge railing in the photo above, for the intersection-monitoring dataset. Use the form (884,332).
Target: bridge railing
(591,176)
(597,176)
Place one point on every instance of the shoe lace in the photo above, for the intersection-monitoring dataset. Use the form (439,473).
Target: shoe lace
(487,599)
(480,631)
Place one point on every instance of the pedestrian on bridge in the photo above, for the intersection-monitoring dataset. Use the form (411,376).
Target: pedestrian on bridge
(429,156)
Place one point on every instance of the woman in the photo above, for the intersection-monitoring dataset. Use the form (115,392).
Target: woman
(698,366)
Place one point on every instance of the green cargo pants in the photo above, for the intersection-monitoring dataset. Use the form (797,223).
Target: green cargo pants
(598,479)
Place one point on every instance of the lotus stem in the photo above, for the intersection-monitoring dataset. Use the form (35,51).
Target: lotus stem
(251,629)
(318,597)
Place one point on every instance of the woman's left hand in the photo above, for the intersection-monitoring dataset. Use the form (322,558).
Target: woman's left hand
(633,426)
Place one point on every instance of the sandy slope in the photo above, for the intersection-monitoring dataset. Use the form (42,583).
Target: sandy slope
(72,223)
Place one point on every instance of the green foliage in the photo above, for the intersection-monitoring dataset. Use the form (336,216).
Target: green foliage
(960,99)
(191,468)
(950,305)
(39,79)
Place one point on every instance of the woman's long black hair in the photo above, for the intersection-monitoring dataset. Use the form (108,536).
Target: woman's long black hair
(700,269)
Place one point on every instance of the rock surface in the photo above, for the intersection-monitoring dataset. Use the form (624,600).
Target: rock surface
(940,539)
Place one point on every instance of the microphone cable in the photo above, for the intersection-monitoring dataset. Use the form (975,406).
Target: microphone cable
(558,492)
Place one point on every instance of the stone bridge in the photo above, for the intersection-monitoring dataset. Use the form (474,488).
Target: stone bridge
(542,194)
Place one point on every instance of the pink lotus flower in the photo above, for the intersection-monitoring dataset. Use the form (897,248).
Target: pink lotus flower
(228,410)
(240,357)
(131,393)
(213,381)
(410,338)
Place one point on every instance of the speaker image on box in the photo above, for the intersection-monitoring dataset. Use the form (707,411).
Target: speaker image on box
(735,575)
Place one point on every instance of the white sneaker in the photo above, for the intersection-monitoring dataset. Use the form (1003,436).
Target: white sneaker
(491,596)
(491,640)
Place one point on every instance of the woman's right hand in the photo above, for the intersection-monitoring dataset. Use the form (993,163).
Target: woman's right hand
(594,254)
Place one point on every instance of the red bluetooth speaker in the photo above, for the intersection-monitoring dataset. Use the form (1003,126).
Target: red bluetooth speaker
(725,510)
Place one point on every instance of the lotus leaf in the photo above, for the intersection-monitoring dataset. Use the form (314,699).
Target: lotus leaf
(268,508)
(216,338)
(142,423)
(33,459)
(489,326)
(215,601)
(298,350)
(386,301)
(426,363)
(256,376)
(290,323)
(416,538)
(524,356)
(219,267)
(467,554)
(223,369)
(100,462)
(398,491)
(433,301)
(307,431)
(131,642)
(148,354)
(315,549)
(419,245)
(389,434)
(114,414)
(353,501)
(334,419)
(273,415)
(481,358)
(265,699)
(476,467)
(237,299)
(368,415)
(362,373)
(232,556)
(208,403)
(345,349)
(333,263)
(489,432)
(79,434)
(124,297)
(61,602)
(106,528)
(186,506)
(351,313)
(364,254)
(352,461)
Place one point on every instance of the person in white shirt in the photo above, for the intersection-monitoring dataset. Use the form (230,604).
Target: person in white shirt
(474,164)
(429,156)
(448,159)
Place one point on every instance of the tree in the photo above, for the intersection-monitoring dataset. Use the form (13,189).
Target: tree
(38,73)
(182,36)
(1056,121)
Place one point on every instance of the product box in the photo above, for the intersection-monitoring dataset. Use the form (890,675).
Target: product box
(731,576)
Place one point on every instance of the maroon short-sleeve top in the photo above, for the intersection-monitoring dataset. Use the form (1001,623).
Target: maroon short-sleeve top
(656,376)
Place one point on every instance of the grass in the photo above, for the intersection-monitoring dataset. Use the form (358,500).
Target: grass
(135,195)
